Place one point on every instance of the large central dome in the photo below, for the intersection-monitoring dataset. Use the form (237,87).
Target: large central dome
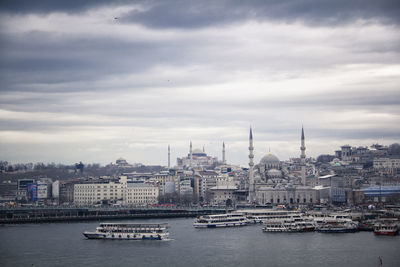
(269,159)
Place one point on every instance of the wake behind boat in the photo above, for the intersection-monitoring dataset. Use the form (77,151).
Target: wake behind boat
(129,231)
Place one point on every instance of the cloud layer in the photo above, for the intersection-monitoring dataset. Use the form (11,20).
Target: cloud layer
(92,81)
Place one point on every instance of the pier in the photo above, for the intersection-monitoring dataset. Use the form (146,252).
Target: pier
(59,214)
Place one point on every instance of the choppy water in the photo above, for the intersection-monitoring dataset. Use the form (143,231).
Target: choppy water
(62,244)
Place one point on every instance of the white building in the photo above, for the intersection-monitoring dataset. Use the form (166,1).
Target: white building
(122,191)
(141,194)
(91,193)
(390,165)
(286,195)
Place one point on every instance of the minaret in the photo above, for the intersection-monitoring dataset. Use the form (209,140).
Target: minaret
(303,157)
(223,153)
(190,154)
(251,171)
(169,157)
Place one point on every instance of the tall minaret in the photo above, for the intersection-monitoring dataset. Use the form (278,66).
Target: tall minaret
(169,157)
(303,158)
(251,171)
(190,154)
(223,153)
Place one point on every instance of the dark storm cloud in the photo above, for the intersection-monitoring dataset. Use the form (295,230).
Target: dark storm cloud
(48,6)
(49,58)
(196,14)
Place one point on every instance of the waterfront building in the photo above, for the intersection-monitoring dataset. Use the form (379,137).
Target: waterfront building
(208,179)
(123,192)
(22,187)
(223,194)
(140,194)
(95,192)
(168,182)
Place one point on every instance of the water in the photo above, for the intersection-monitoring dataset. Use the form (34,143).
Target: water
(62,244)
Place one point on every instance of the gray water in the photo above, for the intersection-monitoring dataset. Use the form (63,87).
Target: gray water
(62,244)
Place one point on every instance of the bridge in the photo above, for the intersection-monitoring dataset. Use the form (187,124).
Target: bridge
(60,214)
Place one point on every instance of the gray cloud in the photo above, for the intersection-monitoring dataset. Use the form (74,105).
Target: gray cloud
(197,70)
(46,6)
(194,14)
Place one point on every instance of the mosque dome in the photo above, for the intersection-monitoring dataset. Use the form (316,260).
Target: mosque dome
(272,173)
(198,152)
(269,159)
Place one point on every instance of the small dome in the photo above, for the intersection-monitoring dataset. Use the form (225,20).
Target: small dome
(274,173)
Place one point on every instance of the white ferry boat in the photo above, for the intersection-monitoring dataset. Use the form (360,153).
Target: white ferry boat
(386,227)
(281,225)
(220,220)
(129,231)
(263,215)
(338,227)
(322,218)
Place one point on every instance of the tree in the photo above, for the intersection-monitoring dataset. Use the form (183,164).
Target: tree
(79,166)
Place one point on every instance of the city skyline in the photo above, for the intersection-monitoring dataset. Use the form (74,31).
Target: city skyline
(94,81)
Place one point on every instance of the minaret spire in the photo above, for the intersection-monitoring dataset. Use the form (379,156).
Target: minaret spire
(251,171)
(303,157)
(223,153)
(190,154)
(169,157)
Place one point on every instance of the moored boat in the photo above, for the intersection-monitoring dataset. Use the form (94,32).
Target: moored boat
(338,227)
(281,225)
(220,220)
(386,227)
(129,231)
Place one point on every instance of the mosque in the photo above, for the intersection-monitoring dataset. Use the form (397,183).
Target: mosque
(270,183)
(198,158)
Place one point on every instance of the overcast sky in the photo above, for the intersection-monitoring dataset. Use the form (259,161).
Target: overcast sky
(92,81)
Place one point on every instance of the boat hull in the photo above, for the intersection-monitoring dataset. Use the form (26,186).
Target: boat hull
(386,233)
(337,230)
(94,235)
(218,225)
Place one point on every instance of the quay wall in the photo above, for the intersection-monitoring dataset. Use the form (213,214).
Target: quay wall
(41,215)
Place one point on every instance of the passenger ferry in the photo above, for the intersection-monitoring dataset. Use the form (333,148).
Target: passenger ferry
(263,215)
(220,220)
(129,231)
(386,227)
(338,227)
(281,225)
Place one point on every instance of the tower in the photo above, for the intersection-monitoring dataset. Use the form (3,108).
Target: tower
(251,171)
(190,154)
(303,157)
(223,153)
(169,157)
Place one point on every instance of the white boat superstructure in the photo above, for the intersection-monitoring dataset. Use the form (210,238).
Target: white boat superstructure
(386,226)
(275,218)
(332,218)
(220,220)
(281,225)
(263,215)
(129,231)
